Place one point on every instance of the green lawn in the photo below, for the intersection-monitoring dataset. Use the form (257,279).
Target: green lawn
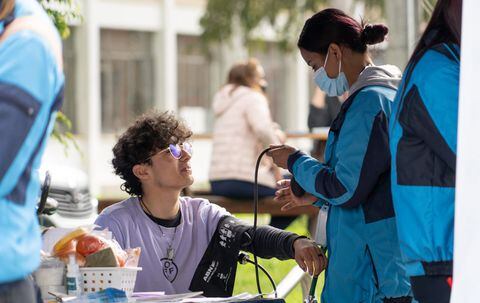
(245,280)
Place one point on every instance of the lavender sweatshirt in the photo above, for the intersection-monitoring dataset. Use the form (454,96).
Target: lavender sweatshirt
(131,227)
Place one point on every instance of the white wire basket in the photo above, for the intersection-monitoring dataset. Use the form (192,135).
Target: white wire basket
(94,279)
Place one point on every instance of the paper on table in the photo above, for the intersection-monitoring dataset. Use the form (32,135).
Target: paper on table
(148,294)
(239,297)
(154,297)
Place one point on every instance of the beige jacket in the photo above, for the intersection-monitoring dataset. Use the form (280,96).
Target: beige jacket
(243,128)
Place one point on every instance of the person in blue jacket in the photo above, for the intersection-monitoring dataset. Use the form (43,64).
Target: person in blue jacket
(31,86)
(352,186)
(423,132)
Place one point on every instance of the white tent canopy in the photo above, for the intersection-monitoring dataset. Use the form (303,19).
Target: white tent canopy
(467,205)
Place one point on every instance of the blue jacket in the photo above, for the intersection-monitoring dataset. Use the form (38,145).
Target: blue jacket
(364,257)
(31,85)
(423,145)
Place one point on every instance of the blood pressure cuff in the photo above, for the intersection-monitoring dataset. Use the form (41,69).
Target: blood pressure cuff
(215,274)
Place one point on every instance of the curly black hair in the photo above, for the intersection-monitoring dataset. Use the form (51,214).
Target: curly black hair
(150,133)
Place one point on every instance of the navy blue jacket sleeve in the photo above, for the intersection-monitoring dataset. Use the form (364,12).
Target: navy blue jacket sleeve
(27,97)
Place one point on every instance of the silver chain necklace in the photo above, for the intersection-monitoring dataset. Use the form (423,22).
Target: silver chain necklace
(170,250)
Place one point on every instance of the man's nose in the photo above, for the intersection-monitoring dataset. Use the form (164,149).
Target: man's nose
(185,155)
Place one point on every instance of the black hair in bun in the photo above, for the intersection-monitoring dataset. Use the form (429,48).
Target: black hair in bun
(373,33)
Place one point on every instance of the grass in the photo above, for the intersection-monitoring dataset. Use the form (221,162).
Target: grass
(245,279)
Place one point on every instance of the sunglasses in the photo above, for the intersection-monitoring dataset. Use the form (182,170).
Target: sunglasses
(176,150)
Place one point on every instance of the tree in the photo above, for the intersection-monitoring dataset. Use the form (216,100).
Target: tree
(62,12)
(285,16)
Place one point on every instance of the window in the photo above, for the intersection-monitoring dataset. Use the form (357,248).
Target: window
(194,84)
(193,74)
(126,77)
(272,59)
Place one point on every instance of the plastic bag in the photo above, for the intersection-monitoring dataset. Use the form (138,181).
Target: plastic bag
(67,244)
(120,254)
(85,241)
(89,244)
(133,256)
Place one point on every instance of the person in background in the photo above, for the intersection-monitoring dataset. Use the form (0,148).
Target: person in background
(181,237)
(31,92)
(243,128)
(423,145)
(352,185)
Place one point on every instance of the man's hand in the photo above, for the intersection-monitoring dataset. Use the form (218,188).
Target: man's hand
(309,256)
(285,196)
(280,153)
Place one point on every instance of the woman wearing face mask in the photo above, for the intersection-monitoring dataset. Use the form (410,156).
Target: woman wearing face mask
(352,186)
(423,145)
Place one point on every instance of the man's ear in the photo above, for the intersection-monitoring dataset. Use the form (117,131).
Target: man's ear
(141,171)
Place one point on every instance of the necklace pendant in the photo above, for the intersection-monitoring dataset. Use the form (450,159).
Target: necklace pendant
(170,253)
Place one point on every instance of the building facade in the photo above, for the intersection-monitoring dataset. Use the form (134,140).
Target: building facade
(129,56)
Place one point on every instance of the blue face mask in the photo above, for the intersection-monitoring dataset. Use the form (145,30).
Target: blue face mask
(332,87)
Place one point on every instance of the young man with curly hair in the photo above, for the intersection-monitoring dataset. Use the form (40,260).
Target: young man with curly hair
(188,244)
